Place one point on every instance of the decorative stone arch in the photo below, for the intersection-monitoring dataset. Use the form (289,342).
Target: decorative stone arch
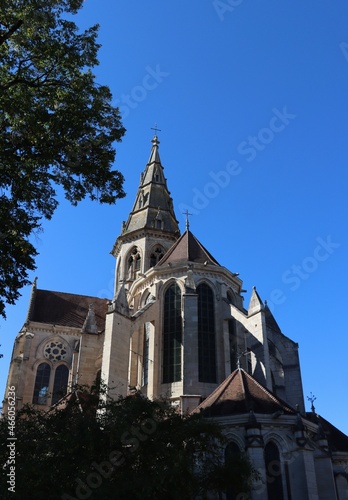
(231,297)
(58,353)
(155,254)
(38,362)
(164,286)
(238,439)
(276,472)
(144,297)
(281,441)
(212,285)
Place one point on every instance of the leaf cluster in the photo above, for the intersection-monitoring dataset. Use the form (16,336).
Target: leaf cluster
(57,124)
(129,448)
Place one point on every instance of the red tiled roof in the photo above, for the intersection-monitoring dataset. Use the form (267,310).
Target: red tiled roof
(188,248)
(66,309)
(240,393)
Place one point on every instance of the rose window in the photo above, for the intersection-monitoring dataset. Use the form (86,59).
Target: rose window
(55,351)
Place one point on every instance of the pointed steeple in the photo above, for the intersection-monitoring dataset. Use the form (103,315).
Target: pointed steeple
(90,324)
(121,304)
(255,304)
(32,300)
(153,207)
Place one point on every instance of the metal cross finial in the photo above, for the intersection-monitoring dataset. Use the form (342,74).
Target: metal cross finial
(239,354)
(187,219)
(312,399)
(156,129)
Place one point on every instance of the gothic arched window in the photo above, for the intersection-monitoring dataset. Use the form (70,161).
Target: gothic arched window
(156,255)
(230,298)
(60,383)
(146,346)
(206,335)
(273,472)
(232,454)
(172,335)
(134,263)
(42,381)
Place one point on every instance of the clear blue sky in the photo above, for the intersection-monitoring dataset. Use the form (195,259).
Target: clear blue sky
(251,100)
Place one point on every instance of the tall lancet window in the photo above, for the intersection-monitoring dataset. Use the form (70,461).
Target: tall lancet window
(60,383)
(232,456)
(134,264)
(42,381)
(206,335)
(172,335)
(146,346)
(273,471)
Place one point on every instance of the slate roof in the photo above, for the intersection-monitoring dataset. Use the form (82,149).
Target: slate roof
(338,441)
(188,248)
(240,393)
(66,309)
(270,321)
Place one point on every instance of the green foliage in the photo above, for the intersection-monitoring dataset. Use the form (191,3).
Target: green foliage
(132,448)
(57,125)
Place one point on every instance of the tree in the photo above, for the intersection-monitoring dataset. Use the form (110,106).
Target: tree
(57,127)
(131,448)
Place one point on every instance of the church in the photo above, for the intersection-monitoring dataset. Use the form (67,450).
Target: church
(178,327)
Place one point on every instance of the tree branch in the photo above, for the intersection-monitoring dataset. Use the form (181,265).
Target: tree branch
(10,32)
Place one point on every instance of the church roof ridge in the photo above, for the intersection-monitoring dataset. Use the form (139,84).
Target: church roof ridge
(58,292)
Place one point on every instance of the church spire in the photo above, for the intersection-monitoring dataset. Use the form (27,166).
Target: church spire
(151,228)
(154,156)
(153,207)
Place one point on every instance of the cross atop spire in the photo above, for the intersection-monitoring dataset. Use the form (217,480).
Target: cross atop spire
(312,398)
(187,219)
(156,129)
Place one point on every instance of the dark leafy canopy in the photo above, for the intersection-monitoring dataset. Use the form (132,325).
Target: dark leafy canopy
(57,127)
(135,449)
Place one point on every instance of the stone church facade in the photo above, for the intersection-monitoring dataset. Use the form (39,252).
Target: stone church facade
(177,327)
